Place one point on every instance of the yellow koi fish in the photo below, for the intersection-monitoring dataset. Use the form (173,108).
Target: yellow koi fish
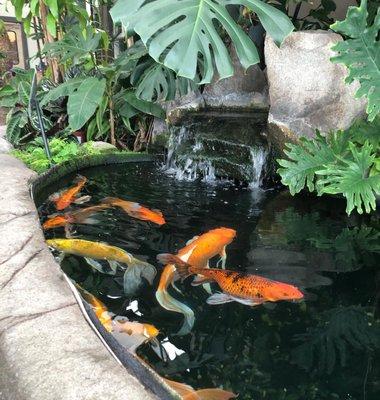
(133,275)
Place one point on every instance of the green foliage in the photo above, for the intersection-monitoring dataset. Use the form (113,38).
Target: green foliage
(341,163)
(351,179)
(21,121)
(61,150)
(84,101)
(360,53)
(185,36)
(76,45)
(330,342)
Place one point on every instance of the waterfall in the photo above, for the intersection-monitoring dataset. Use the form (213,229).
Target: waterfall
(194,155)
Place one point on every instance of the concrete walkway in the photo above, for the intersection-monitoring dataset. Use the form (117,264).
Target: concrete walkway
(47,350)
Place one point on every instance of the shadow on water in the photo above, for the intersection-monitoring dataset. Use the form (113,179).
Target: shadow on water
(324,348)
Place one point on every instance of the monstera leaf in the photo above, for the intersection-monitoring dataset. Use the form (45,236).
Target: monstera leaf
(304,161)
(351,179)
(155,82)
(360,53)
(184,35)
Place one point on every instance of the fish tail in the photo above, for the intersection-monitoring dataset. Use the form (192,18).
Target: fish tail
(170,303)
(182,267)
(109,200)
(134,274)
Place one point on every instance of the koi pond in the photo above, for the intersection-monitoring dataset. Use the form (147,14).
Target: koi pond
(325,347)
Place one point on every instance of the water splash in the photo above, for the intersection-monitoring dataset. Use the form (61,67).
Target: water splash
(193,156)
(258,159)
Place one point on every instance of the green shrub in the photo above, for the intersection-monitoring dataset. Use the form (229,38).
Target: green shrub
(61,150)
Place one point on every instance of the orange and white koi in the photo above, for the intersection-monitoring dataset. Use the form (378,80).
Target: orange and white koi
(82,216)
(236,286)
(189,393)
(132,334)
(133,275)
(100,310)
(63,199)
(201,249)
(136,210)
(170,303)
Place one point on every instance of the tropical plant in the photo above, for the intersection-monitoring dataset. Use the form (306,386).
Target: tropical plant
(186,36)
(360,53)
(342,163)
(21,120)
(62,150)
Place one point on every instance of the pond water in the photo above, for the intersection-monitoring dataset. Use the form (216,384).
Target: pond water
(325,347)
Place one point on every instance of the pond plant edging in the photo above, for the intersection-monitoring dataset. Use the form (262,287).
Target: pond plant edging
(47,349)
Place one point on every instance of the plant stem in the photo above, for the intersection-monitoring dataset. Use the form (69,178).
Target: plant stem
(112,122)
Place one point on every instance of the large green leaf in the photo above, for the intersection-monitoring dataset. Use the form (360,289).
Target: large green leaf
(13,130)
(75,44)
(84,101)
(304,160)
(64,89)
(361,54)
(351,179)
(155,82)
(184,35)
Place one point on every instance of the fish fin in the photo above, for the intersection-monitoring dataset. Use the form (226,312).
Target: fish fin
(79,179)
(248,302)
(113,265)
(200,280)
(176,288)
(88,221)
(211,394)
(192,240)
(82,199)
(170,303)
(207,288)
(135,207)
(219,298)
(223,258)
(159,212)
(97,265)
(133,275)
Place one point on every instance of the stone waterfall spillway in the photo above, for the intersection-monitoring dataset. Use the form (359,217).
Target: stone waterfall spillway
(210,148)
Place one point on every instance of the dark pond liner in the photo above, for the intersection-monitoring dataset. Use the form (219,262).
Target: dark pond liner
(142,371)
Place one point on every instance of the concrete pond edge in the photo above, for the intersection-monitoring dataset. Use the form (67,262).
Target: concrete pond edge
(47,349)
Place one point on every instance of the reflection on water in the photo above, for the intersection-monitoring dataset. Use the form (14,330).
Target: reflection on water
(327,347)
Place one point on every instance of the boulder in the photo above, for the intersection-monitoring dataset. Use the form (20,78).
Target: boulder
(246,89)
(177,109)
(306,90)
(5,146)
(103,147)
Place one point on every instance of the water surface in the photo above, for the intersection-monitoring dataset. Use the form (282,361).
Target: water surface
(326,347)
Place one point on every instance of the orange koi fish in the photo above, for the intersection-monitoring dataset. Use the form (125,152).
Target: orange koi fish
(136,210)
(170,303)
(100,310)
(63,199)
(77,217)
(244,288)
(188,393)
(200,249)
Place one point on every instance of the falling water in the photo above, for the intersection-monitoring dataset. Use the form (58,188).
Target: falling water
(193,156)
